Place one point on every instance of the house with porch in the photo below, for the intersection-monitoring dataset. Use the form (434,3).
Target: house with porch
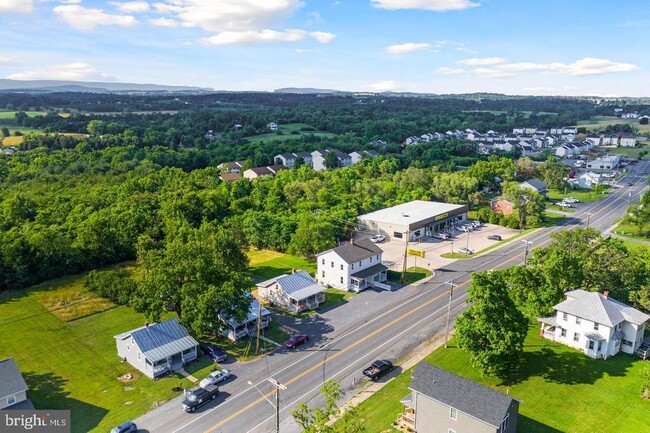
(158,348)
(296,292)
(441,401)
(353,266)
(13,388)
(588,180)
(595,324)
(236,330)
(536,185)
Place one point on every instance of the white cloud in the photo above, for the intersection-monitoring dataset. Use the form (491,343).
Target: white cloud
(466,50)
(266,36)
(408,47)
(78,71)
(163,22)
(383,86)
(481,61)
(431,5)
(582,67)
(82,18)
(17,6)
(451,71)
(229,15)
(493,73)
(316,18)
(132,7)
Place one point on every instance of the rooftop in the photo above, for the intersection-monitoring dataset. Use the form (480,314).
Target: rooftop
(298,285)
(11,380)
(598,308)
(411,212)
(160,340)
(357,251)
(469,397)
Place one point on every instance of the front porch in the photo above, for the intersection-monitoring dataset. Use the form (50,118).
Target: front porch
(406,420)
(309,303)
(549,327)
(368,277)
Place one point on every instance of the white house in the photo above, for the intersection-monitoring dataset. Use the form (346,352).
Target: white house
(356,157)
(352,266)
(289,159)
(272,126)
(270,170)
(296,292)
(595,324)
(13,388)
(236,330)
(588,180)
(318,158)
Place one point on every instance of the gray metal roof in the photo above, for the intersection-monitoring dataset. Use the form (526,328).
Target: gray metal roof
(372,270)
(299,285)
(535,183)
(469,397)
(161,340)
(598,308)
(357,251)
(11,381)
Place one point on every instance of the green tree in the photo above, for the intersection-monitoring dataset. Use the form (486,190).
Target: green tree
(313,235)
(331,160)
(530,291)
(316,420)
(638,215)
(528,203)
(198,274)
(5,132)
(553,173)
(491,329)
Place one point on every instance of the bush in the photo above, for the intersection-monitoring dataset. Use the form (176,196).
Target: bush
(118,286)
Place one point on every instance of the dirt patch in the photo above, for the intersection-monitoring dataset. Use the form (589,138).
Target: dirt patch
(128,377)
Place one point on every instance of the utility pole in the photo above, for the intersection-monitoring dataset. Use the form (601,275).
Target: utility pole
(589,214)
(278,386)
(259,326)
(451,293)
(406,249)
(467,245)
(526,252)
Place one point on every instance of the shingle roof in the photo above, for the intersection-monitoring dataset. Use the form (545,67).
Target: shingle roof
(359,250)
(11,381)
(469,397)
(161,340)
(598,308)
(535,183)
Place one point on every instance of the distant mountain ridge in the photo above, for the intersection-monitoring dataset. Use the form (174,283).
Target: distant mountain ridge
(306,90)
(92,86)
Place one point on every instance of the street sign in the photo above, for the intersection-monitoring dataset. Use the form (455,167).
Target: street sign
(418,253)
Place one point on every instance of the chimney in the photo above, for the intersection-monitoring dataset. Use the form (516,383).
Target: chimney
(293,270)
(606,294)
(146,324)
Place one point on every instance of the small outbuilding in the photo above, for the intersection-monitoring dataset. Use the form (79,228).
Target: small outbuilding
(296,292)
(157,349)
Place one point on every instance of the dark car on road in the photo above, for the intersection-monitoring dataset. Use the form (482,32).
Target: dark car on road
(494,237)
(200,396)
(378,369)
(215,352)
(296,341)
(127,427)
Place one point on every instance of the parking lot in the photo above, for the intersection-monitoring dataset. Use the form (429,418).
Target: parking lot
(476,241)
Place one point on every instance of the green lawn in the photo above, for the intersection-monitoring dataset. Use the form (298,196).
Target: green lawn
(584,195)
(552,219)
(630,232)
(286,130)
(12,114)
(411,275)
(630,152)
(561,390)
(268,264)
(598,123)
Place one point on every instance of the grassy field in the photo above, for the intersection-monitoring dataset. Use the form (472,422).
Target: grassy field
(630,232)
(585,196)
(551,377)
(286,133)
(268,264)
(411,275)
(598,123)
(12,114)
(630,152)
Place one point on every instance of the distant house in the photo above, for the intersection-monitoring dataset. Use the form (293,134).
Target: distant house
(442,402)
(296,292)
(289,159)
(271,170)
(595,324)
(9,150)
(229,177)
(535,184)
(272,126)
(231,167)
(157,349)
(356,157)
(627,139)
(352,266)
(318,158)
(236,330)
(13,388)
(502,206)
(588,180)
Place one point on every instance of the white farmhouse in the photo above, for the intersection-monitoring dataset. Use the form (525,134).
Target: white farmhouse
(595,324)
(353,266)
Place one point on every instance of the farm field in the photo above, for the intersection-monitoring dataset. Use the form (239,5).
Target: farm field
(287,135)
(600,122)
(551,375)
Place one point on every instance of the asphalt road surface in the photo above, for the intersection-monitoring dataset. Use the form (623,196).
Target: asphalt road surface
(371,325)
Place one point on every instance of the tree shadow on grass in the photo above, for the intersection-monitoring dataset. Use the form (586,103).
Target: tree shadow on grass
(46,391)
(529,425)
(565,366)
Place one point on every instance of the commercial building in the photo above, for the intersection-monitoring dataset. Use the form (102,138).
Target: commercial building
(414,219)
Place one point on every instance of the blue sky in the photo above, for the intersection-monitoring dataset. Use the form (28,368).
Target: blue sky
(559,47)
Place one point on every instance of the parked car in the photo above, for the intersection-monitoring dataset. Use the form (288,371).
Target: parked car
(378,238)
(214,378)
(127,427)
(215,352)
(377,369)
(464,228)
(296,341)
(443,236)
(464,250)
(571,200)
(474,224)
(199,397)
(494,237)
(564,204)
